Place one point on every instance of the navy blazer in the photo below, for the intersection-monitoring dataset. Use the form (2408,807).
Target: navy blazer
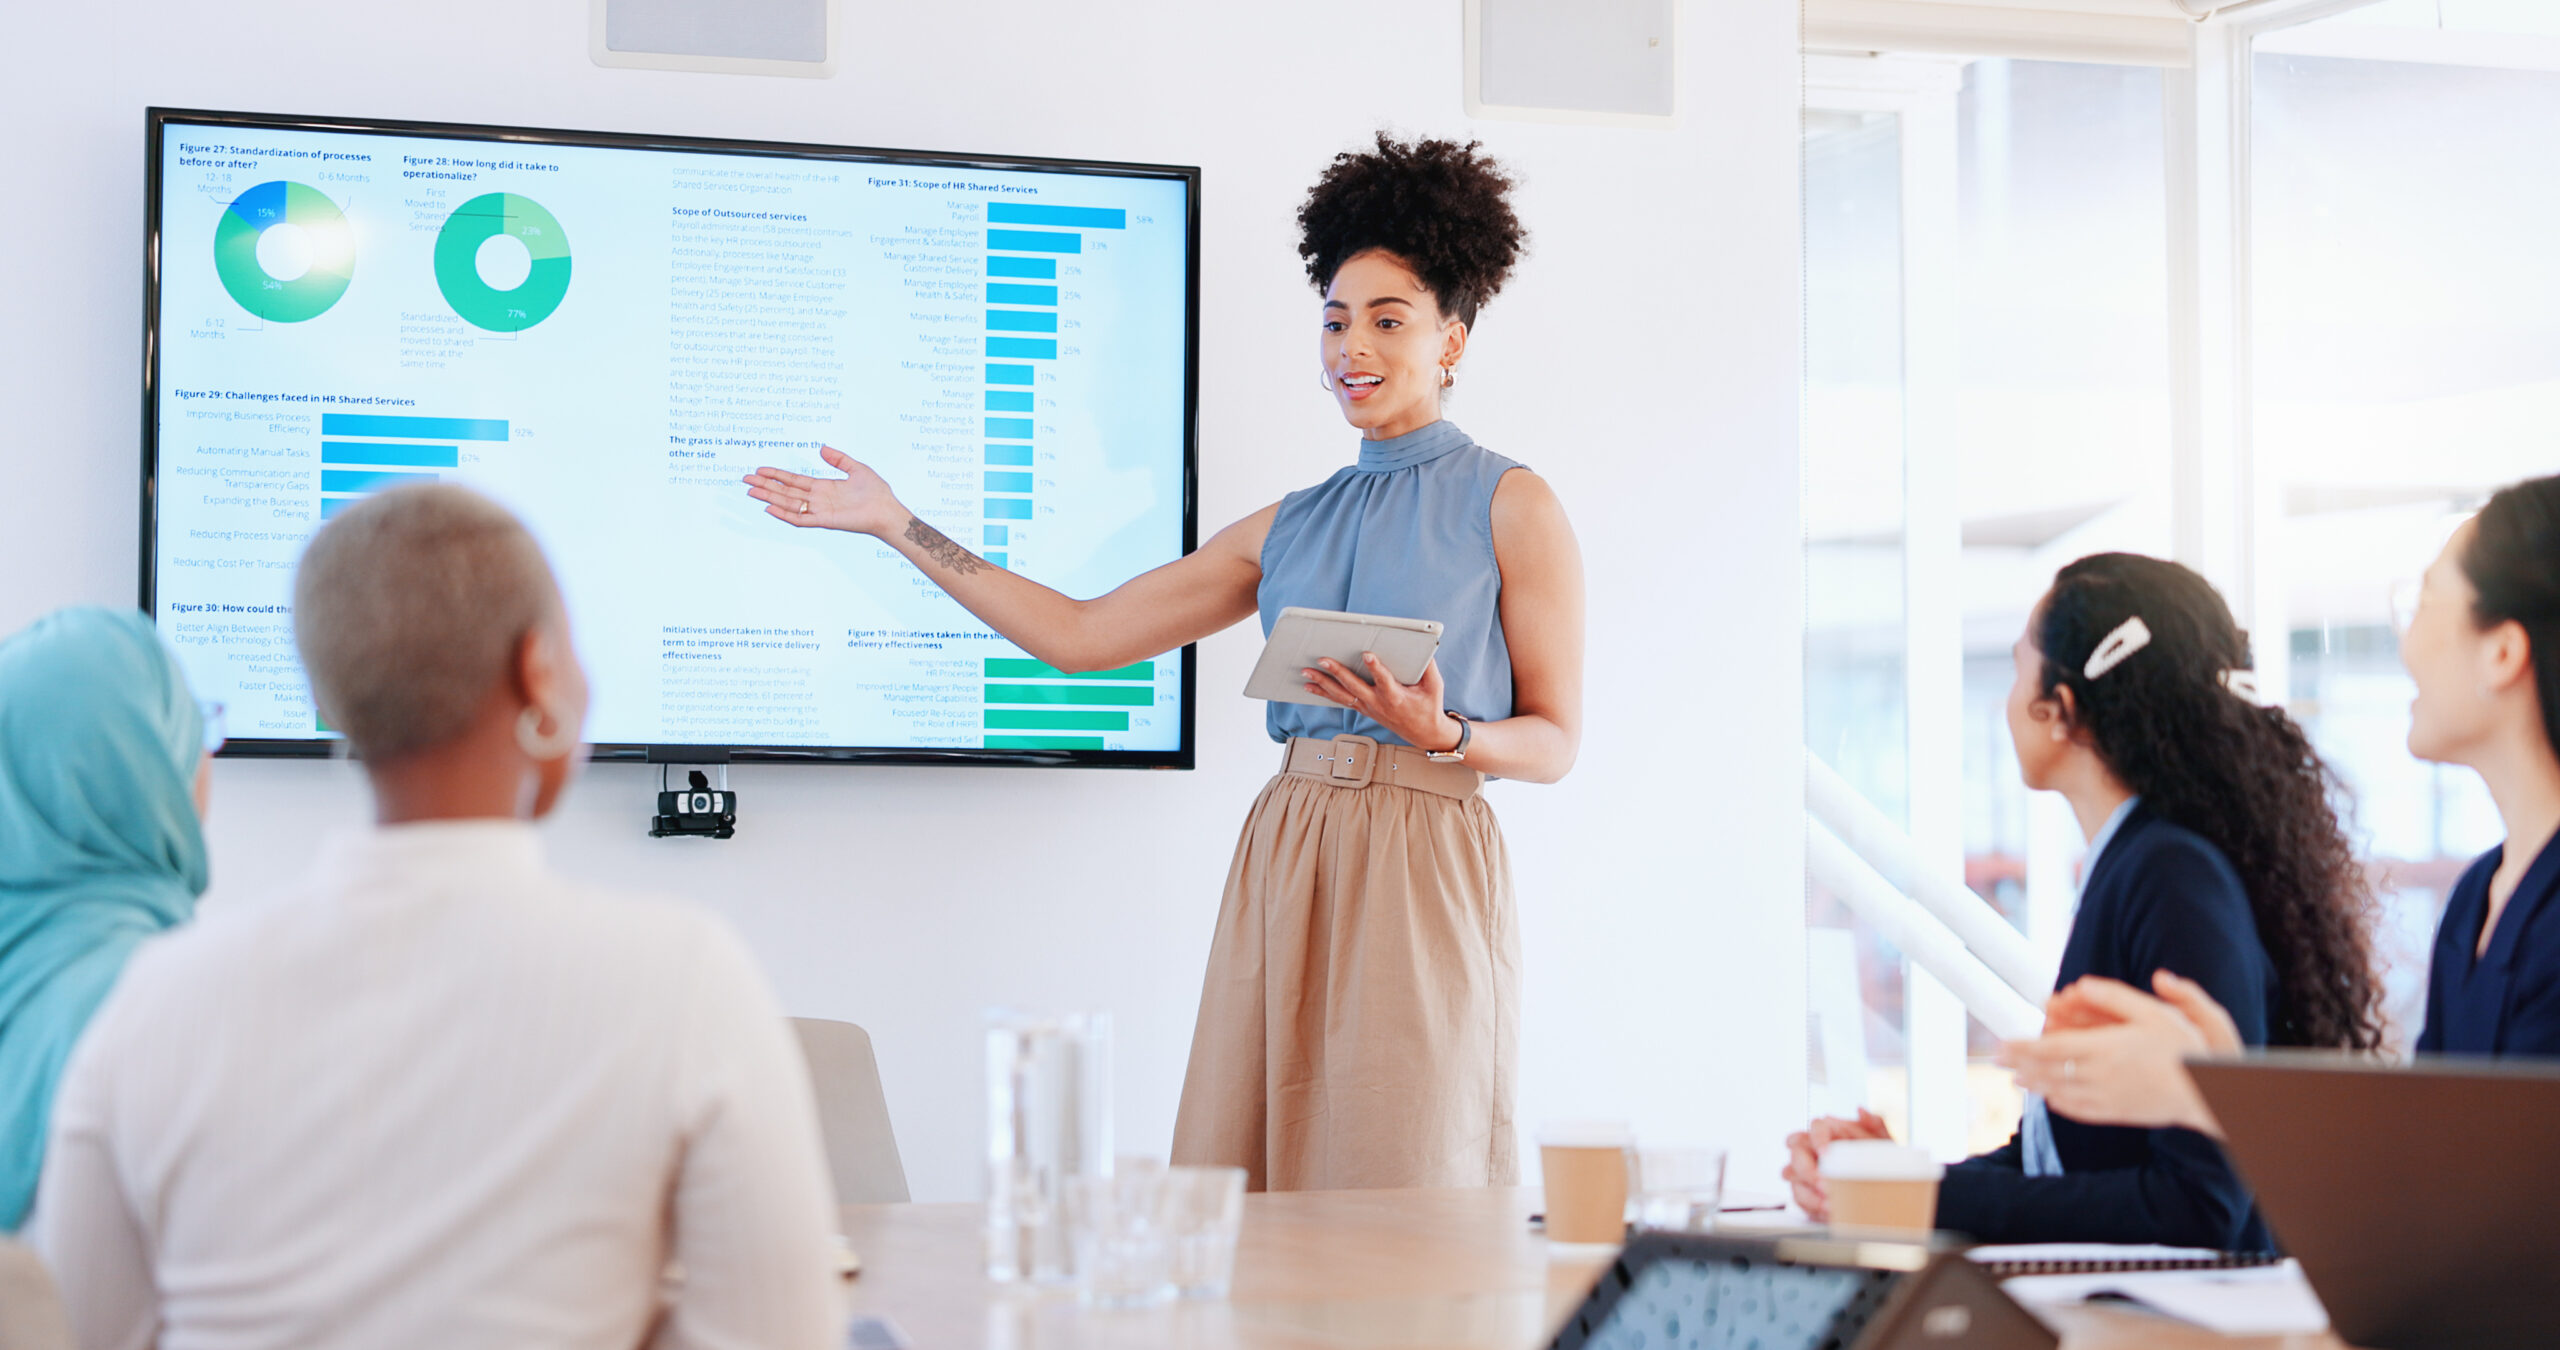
(2162,897)
(2505,1001)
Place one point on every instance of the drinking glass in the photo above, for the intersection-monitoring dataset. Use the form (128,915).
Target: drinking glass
(1679,1188)
(1048,1124)
(1206,1206)
(1122,1227)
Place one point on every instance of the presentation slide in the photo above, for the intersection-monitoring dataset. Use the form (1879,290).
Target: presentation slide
(605,337)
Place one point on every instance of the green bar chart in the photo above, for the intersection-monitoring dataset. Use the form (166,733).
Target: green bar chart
(1024,694)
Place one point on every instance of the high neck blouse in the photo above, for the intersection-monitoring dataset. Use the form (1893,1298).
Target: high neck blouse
(1406,531)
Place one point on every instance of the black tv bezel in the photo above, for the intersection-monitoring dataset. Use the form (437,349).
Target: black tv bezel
(157,120)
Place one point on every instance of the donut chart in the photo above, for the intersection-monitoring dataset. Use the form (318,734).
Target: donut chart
(325,240)
(480,220)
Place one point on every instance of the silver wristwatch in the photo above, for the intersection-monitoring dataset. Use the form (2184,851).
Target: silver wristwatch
(1456,754)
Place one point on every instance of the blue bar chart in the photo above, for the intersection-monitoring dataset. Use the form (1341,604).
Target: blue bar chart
(365,453)
(413,428)
(406,456)
(1028,248)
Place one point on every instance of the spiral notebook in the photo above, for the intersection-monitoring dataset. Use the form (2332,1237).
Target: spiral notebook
(2102,1258)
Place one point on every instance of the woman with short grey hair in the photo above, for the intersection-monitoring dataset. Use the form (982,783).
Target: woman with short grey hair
(439,1095)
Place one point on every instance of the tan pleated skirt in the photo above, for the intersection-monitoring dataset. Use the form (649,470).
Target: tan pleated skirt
(1359,1026)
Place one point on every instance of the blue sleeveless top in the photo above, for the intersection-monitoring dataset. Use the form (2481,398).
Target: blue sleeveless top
(1408,532)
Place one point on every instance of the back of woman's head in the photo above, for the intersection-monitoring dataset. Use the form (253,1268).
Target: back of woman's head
(2513,564)
(2172,720)
(409,609)
(99,742)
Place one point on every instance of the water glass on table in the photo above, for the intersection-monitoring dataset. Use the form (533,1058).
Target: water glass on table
(1121,1226)
(1048,1124)
(1206,1206)
(1678,1188)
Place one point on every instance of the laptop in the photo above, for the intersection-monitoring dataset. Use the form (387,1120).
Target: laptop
(2423,1202)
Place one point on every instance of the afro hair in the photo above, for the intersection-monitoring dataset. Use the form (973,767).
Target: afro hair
(1443,208)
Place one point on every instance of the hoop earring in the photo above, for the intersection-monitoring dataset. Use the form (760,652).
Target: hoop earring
(537,744)
(1448,377)
(1324,379)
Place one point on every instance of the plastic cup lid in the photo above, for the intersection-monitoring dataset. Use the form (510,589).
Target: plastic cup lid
(1586,1134)
(1878,1160)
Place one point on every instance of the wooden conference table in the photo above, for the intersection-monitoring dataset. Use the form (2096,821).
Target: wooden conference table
(1372,1269)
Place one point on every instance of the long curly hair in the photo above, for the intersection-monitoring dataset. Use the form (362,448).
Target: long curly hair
(2244,776)
(1441,207)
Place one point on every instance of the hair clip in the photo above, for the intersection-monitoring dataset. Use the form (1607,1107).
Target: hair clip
(2129,637)
(2241,682)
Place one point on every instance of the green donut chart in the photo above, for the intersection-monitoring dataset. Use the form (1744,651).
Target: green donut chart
(330,243)
(480,220)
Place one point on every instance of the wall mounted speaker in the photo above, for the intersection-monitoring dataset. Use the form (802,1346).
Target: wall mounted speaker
(1605,62)
(726,37)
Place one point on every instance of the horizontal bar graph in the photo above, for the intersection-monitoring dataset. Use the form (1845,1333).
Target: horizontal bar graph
(1044,742)
(330,506)
(367,480)
(378,452)
(1105,695)
(1035,241)
(413,428)
(1073,217)
(1035,268)
(1023,668)
(1022,300)
(995,537)
(1054,719)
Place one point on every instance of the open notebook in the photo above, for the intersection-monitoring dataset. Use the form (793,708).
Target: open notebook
(2096,1258)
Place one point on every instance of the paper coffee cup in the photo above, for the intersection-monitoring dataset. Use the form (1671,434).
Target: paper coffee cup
(1873,1183)
(1585,1168)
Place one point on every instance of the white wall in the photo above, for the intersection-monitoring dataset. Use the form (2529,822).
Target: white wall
(1645,360)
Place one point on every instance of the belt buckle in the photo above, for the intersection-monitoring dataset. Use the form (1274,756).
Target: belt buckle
(1354,759)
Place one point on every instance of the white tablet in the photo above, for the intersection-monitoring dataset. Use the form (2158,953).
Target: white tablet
(1301,636)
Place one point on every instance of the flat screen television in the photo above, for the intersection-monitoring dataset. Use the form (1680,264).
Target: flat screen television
(604,332)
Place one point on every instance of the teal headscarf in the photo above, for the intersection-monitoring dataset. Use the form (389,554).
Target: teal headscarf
(99,845)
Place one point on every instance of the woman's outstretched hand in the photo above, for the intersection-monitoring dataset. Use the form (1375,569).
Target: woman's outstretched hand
(860,502)
(1414,711)
(2110,1054)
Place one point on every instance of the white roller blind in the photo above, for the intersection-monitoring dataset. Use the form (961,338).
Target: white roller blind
(2120,32)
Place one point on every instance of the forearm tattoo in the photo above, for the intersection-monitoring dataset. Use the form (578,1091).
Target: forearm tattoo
(938,546)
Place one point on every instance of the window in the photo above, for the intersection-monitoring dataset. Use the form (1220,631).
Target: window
(2042,321)
(2406,314)
(1987,397)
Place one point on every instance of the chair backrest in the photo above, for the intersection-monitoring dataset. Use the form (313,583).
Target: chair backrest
(31,1316)
(853,1113)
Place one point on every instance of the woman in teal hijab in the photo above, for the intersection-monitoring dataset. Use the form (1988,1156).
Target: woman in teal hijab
(101,759)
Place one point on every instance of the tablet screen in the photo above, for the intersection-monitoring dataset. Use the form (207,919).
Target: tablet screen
(1731,1305)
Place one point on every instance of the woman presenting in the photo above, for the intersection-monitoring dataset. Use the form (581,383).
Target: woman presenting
(1359,1022)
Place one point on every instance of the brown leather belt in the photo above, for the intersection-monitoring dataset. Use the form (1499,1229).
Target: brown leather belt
(1357,761)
